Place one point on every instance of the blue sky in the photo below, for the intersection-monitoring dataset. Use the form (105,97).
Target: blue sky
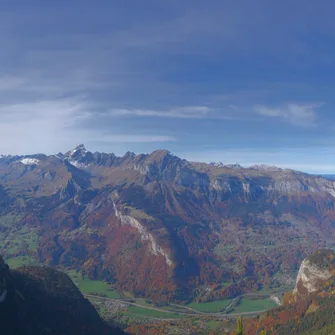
(231,81)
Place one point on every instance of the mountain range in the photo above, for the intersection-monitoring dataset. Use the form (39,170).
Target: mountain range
(163,227)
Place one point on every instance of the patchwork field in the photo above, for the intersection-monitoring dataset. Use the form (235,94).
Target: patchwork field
(94,287)
(210,307)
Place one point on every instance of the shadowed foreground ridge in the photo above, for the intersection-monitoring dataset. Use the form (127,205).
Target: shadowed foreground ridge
(41,300)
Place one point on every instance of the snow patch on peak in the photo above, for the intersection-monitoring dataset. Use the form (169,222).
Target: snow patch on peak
(78,164)
(29,161)
(75,163)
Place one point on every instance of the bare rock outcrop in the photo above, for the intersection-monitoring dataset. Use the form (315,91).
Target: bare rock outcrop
(315,272)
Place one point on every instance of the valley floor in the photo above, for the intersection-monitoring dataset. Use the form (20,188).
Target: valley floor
(123,308)
(128,310)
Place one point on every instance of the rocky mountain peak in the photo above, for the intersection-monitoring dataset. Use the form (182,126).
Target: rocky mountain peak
(79,156)
(159,156)
(129,154)
(80,147)
(161,152)
(233,166)
(216,164)
(265,167)
(79,150)
(229,166)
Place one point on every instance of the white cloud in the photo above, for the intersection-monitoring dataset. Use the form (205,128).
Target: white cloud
(114,65)
(52,125)
(188,112)
(298,114)
(55,112)
(43,125)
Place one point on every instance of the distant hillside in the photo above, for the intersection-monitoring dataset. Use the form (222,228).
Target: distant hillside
(43,301)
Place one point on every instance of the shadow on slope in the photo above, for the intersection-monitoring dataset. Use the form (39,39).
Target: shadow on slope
(41,300)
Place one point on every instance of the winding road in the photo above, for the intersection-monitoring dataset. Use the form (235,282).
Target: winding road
(195,312)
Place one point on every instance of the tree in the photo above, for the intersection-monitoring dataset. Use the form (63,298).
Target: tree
(240,327)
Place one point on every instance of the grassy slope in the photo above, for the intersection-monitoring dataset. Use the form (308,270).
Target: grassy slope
(95,287)
(251,305)
(15,262)
(210,307)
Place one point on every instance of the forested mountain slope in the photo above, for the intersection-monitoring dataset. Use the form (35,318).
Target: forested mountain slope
(163,227)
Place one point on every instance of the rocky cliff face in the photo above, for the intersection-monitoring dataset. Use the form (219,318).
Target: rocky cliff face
(314,273)
(161,226)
